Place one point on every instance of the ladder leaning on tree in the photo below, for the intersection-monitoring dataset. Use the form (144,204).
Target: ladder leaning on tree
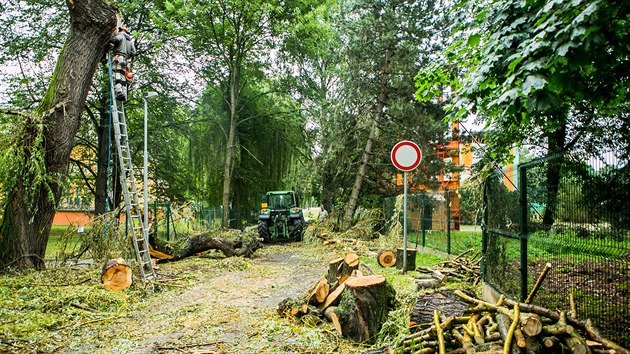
(140,234)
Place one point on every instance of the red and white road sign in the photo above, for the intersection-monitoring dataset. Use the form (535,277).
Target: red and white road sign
(406,155)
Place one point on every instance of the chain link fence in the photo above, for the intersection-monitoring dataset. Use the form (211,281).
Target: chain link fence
(571,214)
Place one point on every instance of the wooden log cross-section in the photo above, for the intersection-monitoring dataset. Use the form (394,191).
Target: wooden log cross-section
(319,293)
(363,307)
(386,258)
(116,275)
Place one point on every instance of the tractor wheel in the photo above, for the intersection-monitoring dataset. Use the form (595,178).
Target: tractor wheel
(298,230)
(263,231)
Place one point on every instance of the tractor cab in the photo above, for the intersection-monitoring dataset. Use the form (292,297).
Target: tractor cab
(280,217)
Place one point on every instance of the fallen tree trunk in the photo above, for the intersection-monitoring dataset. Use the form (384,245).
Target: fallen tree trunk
(243,245)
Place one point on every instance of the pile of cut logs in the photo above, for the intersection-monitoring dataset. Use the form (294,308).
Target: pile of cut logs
(505,327)
(356,304)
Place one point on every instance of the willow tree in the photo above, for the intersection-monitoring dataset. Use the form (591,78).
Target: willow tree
(231,38)
(35,167)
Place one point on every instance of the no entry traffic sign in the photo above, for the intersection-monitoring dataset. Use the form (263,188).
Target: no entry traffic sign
(406,155)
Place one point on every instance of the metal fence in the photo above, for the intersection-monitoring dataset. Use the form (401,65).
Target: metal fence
(212,217)
(432,221)
(574,215)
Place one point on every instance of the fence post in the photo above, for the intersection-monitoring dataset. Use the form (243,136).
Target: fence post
(448,221)
(168,221)
(155,219)
(484,227)
(424,220)
(523,229)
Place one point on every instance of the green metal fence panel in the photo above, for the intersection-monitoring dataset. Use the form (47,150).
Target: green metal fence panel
(573,214)
(430,223)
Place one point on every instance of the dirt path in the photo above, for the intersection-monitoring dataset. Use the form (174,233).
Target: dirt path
(229,306)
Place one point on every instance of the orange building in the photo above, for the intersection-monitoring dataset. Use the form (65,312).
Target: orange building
(454,154)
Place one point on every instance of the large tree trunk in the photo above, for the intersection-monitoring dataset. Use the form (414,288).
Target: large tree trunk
(30,207)
(230,154)
(358,182)
(102,131)
(556,144)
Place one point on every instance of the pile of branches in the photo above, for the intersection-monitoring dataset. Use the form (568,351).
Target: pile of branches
(464,268)
(506,327)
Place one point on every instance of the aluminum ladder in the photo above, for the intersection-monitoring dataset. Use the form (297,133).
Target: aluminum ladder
(140,234)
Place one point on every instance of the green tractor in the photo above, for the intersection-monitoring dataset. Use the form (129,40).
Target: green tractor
(280,217)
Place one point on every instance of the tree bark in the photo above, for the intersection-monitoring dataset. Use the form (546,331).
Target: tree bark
(364,306)
(244,246)
(358,181)
(102,131)
(28,218)
(230,155)
(556,142)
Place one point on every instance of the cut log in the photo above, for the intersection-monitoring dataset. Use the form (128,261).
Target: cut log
(411,258)
(292,307)
(539,281)
(436,274)
(363,307)
(608,344)
(334,269)
(576,344)
(351,260)
(465,341)
(426,283)
(503,325)
(340,269)
(386,258)
(531,324)
(319,292)
(116,275)
(551,342)
(331,316)
(439,332)
(333,298)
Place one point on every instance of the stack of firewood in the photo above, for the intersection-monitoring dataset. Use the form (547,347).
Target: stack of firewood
(506,327)
(356,304)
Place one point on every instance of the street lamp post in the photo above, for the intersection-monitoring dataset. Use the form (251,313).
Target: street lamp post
(145,181)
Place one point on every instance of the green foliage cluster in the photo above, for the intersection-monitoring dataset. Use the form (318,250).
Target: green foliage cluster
(529,69)
(22,161)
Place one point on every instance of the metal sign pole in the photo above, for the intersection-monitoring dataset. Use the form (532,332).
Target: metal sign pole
(404,267)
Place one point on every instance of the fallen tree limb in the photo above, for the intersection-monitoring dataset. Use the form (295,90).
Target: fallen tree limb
(242,246)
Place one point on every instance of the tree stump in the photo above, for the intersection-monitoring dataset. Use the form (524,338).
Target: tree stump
(363,307)
(411,258)
(386,258)
(116,275)
(443,301)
